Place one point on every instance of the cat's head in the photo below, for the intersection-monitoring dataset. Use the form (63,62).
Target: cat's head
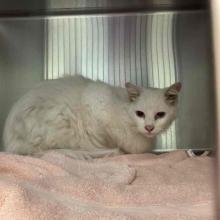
(152,110)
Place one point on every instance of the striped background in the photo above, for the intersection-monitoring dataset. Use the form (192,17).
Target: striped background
(115,49)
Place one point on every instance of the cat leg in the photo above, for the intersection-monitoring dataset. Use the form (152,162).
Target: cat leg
(101,153)
(85,155)
(75,154)
(89,155)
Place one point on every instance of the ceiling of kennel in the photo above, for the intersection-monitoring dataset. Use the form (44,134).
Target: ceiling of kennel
(53,7)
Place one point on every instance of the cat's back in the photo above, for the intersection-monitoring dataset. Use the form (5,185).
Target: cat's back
(61,86)
(52,92)
(47,98)
(56,108)
(58,90)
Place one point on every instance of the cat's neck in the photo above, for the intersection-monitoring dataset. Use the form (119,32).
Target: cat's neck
(121,94)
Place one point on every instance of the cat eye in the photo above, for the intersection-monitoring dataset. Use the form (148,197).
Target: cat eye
(140,114)
(159,115)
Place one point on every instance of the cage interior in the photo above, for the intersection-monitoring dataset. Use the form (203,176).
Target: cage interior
(148,45)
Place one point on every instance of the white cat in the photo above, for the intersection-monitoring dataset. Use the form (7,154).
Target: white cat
(92,118)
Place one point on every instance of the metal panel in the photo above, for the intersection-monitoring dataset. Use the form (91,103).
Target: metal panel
(57,7)
(196,124)
(21,60)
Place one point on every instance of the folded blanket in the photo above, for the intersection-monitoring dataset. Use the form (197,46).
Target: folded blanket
(163,187)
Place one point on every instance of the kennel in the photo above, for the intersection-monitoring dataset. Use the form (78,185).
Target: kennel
(149,43)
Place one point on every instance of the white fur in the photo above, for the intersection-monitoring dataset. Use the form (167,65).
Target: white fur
(80,114)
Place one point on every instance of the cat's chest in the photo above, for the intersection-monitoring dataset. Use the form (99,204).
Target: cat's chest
(131,141)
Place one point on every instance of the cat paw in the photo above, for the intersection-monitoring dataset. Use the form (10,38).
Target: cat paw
(77,155)
(112,153)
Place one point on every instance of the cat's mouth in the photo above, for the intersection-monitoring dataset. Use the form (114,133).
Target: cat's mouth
(149,135)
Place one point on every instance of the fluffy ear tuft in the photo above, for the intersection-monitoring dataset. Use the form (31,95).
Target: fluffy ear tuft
(171,93)
(133,91)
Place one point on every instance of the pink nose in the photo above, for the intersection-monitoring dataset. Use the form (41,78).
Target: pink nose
(149,128)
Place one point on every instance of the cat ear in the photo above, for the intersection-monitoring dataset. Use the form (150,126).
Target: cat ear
(171,93)
(133,91)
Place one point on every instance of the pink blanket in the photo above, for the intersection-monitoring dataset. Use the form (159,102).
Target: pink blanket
(170,186)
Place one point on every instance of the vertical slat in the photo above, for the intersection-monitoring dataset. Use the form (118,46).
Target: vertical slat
(132,46)
(50,49)
(100,65)
(46,48)
(84,45)
(66,46)
(75,46)
(138,51)
(55,50)
(154,51)
(72,46)
(61,47)
(166,50)
(144,49)
(149,51)
(160,55)
(95,45)
(111,50)
(117,51)
(127,50)
(105,48)
(89,48)
(143,61)
(122,51)
(78,36)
